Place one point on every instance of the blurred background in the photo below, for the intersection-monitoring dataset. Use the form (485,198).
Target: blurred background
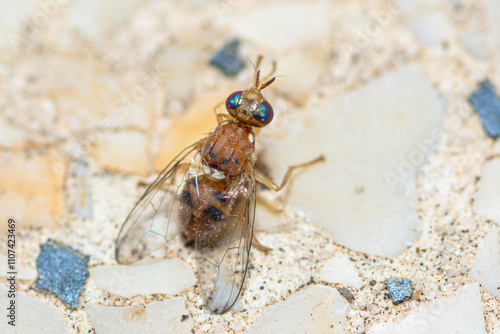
(96,96)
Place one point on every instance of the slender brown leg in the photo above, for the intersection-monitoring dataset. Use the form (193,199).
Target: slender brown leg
(259,246)
(262,178)
(259,176)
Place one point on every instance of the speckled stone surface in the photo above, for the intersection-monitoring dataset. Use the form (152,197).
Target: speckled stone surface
(122,86)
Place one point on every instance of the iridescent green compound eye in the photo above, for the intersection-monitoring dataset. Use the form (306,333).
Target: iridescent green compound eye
(232,100)
(264,113)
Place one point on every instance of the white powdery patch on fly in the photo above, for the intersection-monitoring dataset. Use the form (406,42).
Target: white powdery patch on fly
(374,140)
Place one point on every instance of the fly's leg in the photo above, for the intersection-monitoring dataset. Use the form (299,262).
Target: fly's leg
(220,116)
(272,206)
(259,176)
(260,246)
(262,178)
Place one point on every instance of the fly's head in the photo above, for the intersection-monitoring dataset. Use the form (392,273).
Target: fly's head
(250,107)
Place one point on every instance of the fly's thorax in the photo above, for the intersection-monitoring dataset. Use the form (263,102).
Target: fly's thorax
(228,151)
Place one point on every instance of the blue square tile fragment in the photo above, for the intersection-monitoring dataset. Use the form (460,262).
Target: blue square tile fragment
(399,289)
(61,270)
(228,59)
(487,104)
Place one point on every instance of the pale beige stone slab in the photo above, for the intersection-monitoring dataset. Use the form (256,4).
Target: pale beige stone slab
(126,152)
(97,19)
(314,309)
(338,269)
(487,199)
(486,268)
(168,276)
(31,315)
(157,317)
(374,140)
(276,26)
(31,188)
(459,313)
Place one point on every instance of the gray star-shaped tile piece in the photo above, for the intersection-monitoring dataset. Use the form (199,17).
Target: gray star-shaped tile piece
(62,270)
(228,59)
(400,289)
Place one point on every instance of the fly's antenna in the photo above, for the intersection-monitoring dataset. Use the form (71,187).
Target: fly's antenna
(267,79)
(267,83)
(270,74)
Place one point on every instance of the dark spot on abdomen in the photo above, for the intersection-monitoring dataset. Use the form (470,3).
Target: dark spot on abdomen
(212,211)
(186,197)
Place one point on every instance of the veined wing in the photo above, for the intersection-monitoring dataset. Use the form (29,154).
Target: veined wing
(154,220)
(222,258)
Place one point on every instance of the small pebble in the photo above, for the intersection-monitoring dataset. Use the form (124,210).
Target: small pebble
(62,270)
(346,293)
(399,289)
(430,294)
(452,272)
(239,326)
(339,269)
(487,104)
(228,58)
(219,330)
(362,305)
(364,314)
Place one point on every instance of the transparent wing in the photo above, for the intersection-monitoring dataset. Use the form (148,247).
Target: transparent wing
(154,220)
(223,240)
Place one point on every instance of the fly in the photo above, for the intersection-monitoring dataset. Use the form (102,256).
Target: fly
(207,193)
